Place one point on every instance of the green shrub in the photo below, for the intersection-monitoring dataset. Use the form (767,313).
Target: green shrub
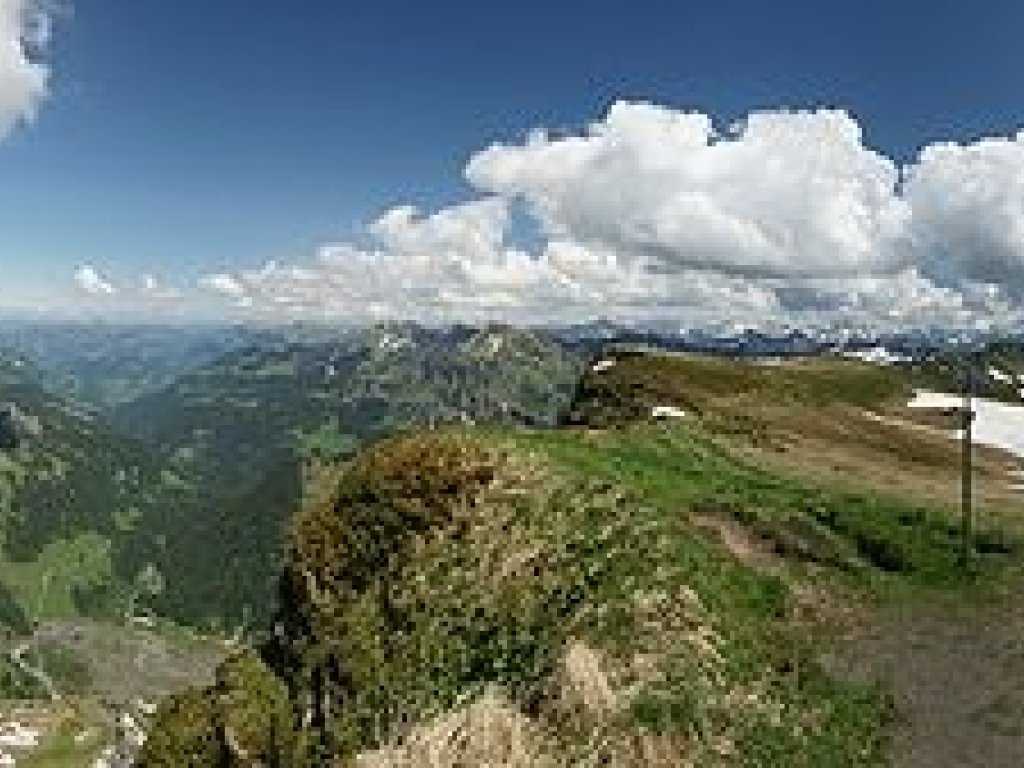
(245,719)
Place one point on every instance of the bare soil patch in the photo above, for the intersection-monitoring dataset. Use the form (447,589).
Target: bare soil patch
(956,669)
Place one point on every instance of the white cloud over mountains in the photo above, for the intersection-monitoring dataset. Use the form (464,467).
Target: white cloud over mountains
(24,30)
(967,204)
(154,289)
(649,214)
(654,214)
(786,194)
(89,280)
(459,265)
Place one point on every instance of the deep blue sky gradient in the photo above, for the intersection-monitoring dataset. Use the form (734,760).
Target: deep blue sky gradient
(184,136)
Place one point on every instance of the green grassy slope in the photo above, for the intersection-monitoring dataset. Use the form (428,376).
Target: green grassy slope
(645,595)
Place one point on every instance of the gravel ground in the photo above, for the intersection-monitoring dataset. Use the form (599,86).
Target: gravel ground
(126,664)
(957,672)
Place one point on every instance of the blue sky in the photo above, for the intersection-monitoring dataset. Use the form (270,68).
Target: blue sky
(203,136)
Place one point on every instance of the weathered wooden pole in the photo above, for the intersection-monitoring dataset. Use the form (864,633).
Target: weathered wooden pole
(967,468)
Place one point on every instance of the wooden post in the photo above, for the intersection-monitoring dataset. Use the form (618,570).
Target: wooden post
(967,468)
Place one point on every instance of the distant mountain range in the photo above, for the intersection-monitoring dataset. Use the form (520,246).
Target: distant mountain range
(102,366)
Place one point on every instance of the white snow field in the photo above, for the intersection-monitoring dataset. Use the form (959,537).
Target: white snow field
(996,424)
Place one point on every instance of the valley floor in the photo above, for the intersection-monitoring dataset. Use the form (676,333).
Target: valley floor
(97,683)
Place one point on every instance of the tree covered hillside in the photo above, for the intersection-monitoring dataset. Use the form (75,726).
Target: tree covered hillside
(73,498)
(236,435)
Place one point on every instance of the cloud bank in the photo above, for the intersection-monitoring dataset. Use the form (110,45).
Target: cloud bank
(24,31)
(154,289)
(653,214)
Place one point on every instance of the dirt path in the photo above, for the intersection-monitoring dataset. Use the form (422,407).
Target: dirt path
(954,665)
(957,672)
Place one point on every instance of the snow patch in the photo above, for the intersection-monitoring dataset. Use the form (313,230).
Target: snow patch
(935,401)
(878,355)
(996,424)
(1003,378)
(392,341)
(602,365)
(16,735)
(667,412)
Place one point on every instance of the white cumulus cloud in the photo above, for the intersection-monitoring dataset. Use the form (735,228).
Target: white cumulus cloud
(228,286)
(783,194)
(459,265)
(968,211)
(89,280)
(153,288)
(24,30)
(654,214)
